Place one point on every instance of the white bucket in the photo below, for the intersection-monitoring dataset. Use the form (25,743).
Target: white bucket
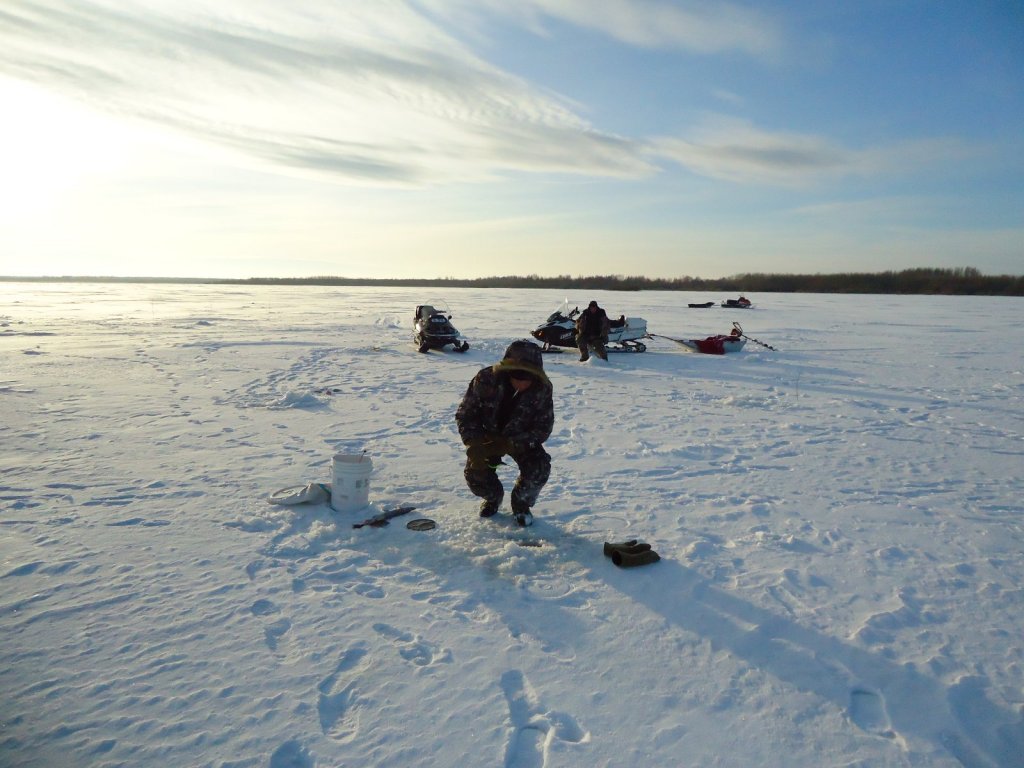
(350,486)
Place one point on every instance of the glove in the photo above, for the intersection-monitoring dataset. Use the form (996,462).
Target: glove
(630,554)
(632,547)
(625,559)
(486,452)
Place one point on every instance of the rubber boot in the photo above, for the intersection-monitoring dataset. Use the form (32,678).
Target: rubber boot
(632,560)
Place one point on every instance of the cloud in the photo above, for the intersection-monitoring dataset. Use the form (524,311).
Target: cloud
(698,27)
(736,150)
(378,92)
(367,91)
(889,208)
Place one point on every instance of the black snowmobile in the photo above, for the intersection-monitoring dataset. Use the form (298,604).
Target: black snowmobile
(432,329)
(559,330)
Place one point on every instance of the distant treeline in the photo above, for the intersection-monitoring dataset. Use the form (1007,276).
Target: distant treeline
(958,281)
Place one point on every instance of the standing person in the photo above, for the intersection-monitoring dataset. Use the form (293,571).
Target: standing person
(508,411)
(592,328)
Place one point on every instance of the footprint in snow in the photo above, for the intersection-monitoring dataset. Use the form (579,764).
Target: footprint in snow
(273,632)
(263,608)
(867,710)
(291,754)
(414,648)
(338,704)
(25,569)
(140,521)
(534,731)
(990,729)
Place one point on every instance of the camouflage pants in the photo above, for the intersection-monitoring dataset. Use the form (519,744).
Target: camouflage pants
(534,470)
(585,344)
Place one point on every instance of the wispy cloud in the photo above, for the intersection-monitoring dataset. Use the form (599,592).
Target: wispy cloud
(370,91)
(888,208)
(699,27)
(738,151)
(379,92)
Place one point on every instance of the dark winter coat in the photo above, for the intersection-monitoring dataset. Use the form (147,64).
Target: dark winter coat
(525,420)
(593,325)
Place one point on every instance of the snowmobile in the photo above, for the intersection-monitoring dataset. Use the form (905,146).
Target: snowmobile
(559,330)
(741,303)
(432,329)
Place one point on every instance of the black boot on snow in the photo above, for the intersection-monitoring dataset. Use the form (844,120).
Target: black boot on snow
(522,514)
(489,508)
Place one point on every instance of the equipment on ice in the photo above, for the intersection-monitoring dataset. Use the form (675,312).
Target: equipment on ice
(738,330)
(381,520)
(741,303)
(559,330)
(630,554)
(310,493)
(350,481)
(432,329)
(712,345)
(717,345)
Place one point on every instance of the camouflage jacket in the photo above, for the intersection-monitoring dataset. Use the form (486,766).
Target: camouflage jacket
(593,326)
(530,419)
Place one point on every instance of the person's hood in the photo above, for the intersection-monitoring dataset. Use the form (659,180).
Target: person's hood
(508,366)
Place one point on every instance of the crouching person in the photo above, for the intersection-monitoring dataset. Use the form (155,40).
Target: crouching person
(508,411)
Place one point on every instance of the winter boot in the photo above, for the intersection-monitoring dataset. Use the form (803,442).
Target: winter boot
(489,508)
(522,514)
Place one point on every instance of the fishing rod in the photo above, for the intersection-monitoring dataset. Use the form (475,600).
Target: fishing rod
(739,332)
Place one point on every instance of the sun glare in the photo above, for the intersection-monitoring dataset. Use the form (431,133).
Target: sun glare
(48,147)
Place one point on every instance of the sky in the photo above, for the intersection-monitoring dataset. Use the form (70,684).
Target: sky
(470,138)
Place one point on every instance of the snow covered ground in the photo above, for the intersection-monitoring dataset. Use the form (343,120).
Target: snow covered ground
(840,525)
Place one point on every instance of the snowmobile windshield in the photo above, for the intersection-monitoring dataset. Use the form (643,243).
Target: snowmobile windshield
(440,306)
(563,313)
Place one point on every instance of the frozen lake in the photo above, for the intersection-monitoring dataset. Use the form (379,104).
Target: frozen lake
(839,523)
